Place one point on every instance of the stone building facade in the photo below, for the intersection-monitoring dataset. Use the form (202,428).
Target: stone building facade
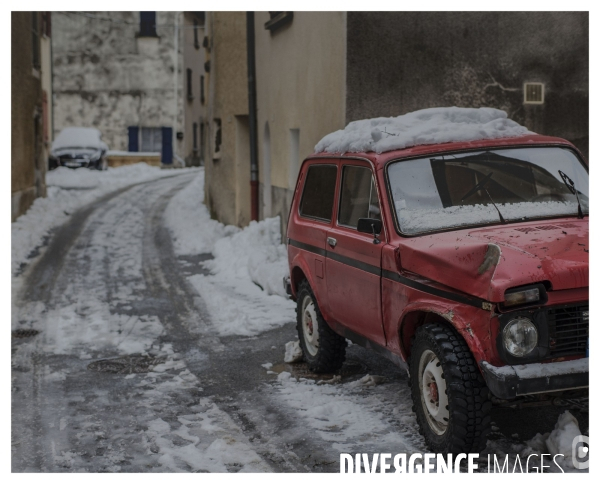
(30,116)
(123,73)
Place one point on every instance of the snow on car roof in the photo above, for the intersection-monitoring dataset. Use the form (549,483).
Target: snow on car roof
(424,127)
(74,137)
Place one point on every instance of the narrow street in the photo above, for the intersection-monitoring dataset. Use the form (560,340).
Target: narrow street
(128,371)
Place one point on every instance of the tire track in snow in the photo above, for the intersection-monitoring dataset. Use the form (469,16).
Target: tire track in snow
(67,418)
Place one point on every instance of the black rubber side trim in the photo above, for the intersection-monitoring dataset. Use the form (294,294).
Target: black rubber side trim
(307,247)
(419,286)
(394,276)
(363,266)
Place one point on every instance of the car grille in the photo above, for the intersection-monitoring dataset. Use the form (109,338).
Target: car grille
(568,327)
(73,157)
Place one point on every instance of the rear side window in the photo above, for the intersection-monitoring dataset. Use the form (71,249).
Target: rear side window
(319,191)
(358,196)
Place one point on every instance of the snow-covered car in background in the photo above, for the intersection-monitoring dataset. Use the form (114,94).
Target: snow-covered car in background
(455,242)
(79,148)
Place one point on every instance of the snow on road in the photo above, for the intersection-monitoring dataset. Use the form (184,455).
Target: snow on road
(69,190)
(348,414)
(244,293)
(96,309)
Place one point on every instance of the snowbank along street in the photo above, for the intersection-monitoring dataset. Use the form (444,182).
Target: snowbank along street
(148,337)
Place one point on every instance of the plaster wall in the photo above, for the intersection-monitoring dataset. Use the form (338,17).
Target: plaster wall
(108,77)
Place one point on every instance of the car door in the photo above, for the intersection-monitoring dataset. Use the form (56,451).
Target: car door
(353,264)
(310,218)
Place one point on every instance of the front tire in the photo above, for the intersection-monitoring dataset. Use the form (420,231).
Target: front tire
(450,397)
(324,351)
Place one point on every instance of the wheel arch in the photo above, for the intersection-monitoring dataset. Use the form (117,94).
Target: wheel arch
(415,317)
(297,275)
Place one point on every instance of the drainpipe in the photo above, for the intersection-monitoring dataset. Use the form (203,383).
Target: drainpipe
(252,116)
(175,86)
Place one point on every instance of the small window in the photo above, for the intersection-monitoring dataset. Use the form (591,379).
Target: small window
(190,94)
(47,24)
(195,136)
(534,93)
(151,140)
(196,38)
(201,140)
(278,19)
(35,37)
(217,131)
(358,197)
(202,89)
(148,24)
(319,191)
(294,157)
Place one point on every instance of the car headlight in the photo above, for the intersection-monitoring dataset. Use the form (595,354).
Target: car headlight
(520,336)
(522,297)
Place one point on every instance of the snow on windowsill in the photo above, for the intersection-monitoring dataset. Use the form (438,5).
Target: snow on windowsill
(132,153)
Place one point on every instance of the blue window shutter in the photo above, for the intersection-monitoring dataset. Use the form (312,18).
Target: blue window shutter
(167,146)
(133,132)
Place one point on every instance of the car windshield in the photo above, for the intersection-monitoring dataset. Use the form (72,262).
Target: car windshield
(457,190)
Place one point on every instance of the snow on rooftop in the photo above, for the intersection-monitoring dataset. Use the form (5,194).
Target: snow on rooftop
(74,137)
(424,127)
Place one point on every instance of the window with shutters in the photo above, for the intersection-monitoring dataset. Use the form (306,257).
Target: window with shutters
(151,139)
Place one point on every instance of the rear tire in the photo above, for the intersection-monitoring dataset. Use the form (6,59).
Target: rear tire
(450,397)
(324,351)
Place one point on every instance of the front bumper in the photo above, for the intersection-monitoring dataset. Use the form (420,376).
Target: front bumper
(75,163)
(508,382)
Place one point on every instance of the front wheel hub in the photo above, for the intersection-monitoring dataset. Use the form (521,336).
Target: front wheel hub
(310,326)
(433,392)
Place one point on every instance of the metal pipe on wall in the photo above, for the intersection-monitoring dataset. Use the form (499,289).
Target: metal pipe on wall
(252,116)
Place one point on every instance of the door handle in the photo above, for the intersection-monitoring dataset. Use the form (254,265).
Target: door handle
(331,241)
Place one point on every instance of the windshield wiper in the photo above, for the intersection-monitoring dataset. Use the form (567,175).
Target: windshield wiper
(480,186)
(571,186)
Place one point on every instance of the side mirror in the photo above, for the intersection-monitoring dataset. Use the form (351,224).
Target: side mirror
(370,226)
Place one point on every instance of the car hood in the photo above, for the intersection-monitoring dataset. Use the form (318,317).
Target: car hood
(484,262)
(75,152)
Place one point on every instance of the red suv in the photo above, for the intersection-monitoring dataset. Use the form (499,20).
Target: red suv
(465,263)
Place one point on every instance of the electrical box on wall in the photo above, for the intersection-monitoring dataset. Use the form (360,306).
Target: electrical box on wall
(533,93)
